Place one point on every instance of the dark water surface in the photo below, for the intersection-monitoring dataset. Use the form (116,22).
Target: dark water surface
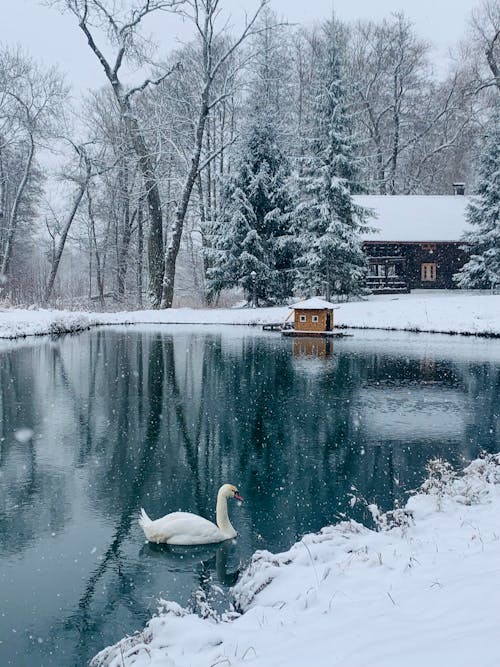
(160,417)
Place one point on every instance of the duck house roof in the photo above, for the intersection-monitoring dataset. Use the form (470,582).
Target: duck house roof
(315,303)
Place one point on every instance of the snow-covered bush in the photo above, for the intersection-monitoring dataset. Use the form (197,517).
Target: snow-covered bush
(69,324)
(397,518)
(467,487)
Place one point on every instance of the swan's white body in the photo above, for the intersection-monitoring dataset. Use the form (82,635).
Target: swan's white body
(189,529)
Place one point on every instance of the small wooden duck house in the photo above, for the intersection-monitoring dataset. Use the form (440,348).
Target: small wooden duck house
(313,317)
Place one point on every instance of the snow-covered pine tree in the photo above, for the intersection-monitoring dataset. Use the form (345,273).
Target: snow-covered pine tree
(483,213)
(328,221)
(251,245)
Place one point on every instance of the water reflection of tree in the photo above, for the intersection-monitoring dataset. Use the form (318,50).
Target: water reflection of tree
(264,417)
(169,437)
(32,501)
(130,462)
(482,385)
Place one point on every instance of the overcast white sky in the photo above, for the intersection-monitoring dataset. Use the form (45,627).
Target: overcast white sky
(55,39)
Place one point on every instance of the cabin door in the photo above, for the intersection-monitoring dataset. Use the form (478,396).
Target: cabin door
(328,321)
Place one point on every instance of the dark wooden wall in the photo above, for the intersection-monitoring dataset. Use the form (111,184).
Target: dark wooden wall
(447,256)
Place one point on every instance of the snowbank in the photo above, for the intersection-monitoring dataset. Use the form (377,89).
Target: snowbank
(422,590)
(454,313)
(17,322)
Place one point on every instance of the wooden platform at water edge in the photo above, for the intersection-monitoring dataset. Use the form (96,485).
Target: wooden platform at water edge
(315,334)
(288,331)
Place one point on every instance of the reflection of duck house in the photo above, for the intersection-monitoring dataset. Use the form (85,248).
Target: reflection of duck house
(318,346)
(313,317)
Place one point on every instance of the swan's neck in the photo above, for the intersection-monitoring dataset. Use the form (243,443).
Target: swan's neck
(222,517)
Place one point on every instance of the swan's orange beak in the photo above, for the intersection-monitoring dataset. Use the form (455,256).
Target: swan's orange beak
(237,496)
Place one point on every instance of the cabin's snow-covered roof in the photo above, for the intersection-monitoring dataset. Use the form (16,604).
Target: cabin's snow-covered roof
(415,217)
(315,303)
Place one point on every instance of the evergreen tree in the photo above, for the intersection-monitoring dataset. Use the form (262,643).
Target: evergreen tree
(251,246)
(483,213)
(328,220)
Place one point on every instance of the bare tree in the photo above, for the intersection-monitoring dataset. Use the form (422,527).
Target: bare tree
(81,177)
(122,30)
(408,118)
(485,28)
(204,15)
(31,103)
(121,184)
(171,114)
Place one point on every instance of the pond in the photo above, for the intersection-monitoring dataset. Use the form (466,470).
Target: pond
(94,426)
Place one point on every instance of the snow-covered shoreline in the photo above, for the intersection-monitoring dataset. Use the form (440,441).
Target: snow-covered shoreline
(422,590)
(456,313)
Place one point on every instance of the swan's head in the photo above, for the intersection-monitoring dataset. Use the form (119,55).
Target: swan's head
(230,491)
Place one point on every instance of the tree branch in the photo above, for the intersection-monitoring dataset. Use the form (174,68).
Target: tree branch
(212,157)
(152,82)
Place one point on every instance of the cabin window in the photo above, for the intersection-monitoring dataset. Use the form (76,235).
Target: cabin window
(428,271)
(377,270)
(382,270)
(315,318)
(302,318)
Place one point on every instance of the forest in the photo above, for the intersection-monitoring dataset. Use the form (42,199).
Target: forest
(226,169)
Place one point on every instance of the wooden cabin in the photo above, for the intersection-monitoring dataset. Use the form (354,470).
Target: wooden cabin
(313,316)
(416,241)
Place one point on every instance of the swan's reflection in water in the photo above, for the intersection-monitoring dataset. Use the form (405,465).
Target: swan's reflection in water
(216,562)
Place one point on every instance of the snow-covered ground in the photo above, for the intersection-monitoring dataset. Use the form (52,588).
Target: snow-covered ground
(452,312)
(424,589)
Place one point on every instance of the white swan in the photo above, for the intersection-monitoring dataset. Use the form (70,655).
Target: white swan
(190,529)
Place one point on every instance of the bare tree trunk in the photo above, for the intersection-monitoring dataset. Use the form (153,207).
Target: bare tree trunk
(180,214)
(99,271)
(201,204)
(490,57)
(123,231)
(209,178)
(62,241)
(13,218)
(140,250)
(155,238)
(328,287)
(395,137)
(203,223)
(222,154)
(214,178)
(89,296)
(3,189)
